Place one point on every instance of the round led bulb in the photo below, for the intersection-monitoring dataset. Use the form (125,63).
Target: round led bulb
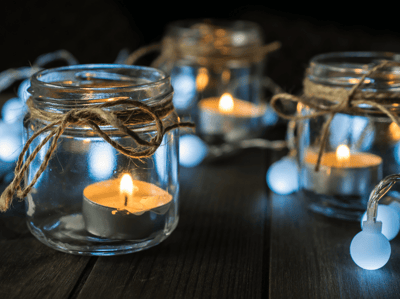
(390,221)
(370,249)
(10,147)
(283,176)
(192,150)
(13,111)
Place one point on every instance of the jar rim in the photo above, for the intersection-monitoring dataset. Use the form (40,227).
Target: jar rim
(89,84)
(344,69)
(352,60)
(101,83)
(207,36)
(36,78)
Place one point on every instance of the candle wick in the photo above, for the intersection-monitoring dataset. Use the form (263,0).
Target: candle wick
(126,200)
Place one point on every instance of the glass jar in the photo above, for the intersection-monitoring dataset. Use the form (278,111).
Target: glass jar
(361,146)
(207,59)
(81,203)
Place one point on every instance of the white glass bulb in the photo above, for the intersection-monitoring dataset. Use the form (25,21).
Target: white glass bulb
(390,221)
(270,118)
(10,147)
(192,150)
(13,111)
(283,176)
(370,249)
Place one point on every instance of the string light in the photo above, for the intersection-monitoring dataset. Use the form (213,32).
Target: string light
(13,111)
(370,249)
(390,221)
(192,150)
(283,176)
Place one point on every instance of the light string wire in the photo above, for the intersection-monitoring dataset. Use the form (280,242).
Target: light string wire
(378,192)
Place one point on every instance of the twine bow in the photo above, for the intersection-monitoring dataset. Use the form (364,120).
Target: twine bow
(343,101)
(93,117)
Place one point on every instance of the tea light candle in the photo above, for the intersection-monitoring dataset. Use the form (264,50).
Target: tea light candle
(228,116)
(342,172)
(124,208)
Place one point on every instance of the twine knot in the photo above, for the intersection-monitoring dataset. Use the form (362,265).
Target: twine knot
(340,101)
(134,113)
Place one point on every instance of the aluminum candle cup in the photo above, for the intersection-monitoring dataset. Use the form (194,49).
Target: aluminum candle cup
(227,117)
(357,177)
(341,187)
(135,214)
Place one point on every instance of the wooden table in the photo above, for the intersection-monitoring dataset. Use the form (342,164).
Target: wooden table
(234,240)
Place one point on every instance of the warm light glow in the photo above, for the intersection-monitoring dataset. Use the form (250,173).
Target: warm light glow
(394,131)
(300,107)
(202,79)
(342,153)
(226,76)
(356,80)
(226,103)
(126,186)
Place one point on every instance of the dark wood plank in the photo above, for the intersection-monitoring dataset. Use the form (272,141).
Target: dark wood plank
(29,269)
(310,257)
(216,250)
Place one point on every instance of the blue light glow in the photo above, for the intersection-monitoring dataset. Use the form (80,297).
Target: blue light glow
(390,221)
(370,250)
(192,150)
(160,160)
(283,176)
(23,93)
(184,83)
(102,160)
(10,147)
(339,129)
(361,134)
(270,118)
(13,111)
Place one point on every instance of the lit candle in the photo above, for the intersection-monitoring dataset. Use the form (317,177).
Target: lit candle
(228,116)
(341,172)
(124,208)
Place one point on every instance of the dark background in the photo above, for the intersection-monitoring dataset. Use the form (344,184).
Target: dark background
(94,31)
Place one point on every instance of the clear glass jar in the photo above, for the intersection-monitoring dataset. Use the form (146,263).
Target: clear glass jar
(75,206)
(347,175)
(207,59)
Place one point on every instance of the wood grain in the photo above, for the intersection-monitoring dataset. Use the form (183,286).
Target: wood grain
(29,269)
(216,251)
(310,257)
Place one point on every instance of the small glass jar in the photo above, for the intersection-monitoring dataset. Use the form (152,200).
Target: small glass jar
(82,204)
(209,59)
(361,147)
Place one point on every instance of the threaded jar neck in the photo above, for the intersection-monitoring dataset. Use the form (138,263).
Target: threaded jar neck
(193,39)
(344,69)
(82,86)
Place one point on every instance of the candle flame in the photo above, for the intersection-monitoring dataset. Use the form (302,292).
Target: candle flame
(343,153)
(226,103)
(126,187)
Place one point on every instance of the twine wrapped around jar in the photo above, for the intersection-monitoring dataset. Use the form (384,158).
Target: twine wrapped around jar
(213,48)
(325,100)
(93,117)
